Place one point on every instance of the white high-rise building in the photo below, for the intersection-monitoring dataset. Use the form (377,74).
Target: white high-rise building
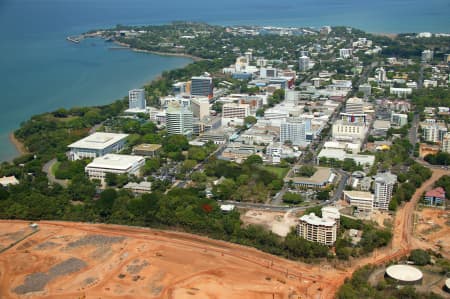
(384,185)
(381,74)
(303,63)
(427,55)
(354,106)
(292,96)
(316,229)
(179,119)
(345,53)
(136,99)
(294,130)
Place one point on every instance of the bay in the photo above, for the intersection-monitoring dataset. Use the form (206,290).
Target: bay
(40,71)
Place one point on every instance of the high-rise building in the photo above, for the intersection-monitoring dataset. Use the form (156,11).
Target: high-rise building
(433,131)
(292,96)
(345,53)
(399,119)
(384,185)
(316,229)
(294,130)
(179,119)
(136,99)
(446,143)
(366,89)
(427,55)
(200,107)
(202,86)
(354,106)
(381,74)
(303,63)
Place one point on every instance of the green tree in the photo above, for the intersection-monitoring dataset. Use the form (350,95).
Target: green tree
(419,257)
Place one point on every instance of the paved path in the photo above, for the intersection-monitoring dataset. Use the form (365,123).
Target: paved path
(47,168)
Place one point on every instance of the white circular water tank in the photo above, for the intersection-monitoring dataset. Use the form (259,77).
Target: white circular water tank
(404,273)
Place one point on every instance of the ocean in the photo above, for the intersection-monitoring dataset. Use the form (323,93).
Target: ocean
(40,71)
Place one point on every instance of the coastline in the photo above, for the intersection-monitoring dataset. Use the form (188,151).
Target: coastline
(20,147)
(194,58)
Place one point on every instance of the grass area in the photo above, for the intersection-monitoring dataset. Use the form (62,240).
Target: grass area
(278,171)
(55,167)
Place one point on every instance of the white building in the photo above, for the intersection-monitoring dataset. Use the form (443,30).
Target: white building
(363,201)
(200,107)
(136,100)
(303,63)
(345,53)
(347,130)
(399,119)
(139,188)
(401,92)
(341,155)
(381,74)
(384,185)
(234,112)
(316,229)
(294,130)
(433,131)
(427,55)
(97,145)
(292,96)
(113,163)
(179,119)
(354,106)
(5,181)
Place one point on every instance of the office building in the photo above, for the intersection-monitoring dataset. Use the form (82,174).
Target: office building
(362,201)
(366,89)
(200,107)
(202,86)
(344,130)
(147,150)
(268,72)
(433,131)
(294,130)
(97,145)
(384,185)
(235,112)
(399,119)
(345,53)
(401,92)
(136,99)
(316,229)
(303,63)
(427,55)
(179,119)
(446,143)
(292,96)
(116,164)
(381,74)
(354,106)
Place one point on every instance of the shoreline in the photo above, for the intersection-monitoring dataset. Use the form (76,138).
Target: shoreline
(183,55)
(20,147)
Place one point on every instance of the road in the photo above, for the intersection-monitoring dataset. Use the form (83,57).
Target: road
(47,168)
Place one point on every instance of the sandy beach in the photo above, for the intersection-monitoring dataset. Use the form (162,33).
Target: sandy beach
(18,145)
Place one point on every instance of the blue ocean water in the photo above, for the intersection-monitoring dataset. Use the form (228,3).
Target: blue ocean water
(40,71)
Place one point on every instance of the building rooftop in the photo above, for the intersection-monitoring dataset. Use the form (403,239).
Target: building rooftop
(147,147)
(98,140)
(437,192)
(404,273)
(315,220)
(321,176)
(8,180)
(359,195)
(114,161)
(386,177)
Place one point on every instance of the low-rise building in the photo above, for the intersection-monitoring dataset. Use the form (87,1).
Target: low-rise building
(363,201)
(97,145)
(139,188)
(116,164)
(320,179)
(341,155)
(435,197)
(147,150)
(6,181)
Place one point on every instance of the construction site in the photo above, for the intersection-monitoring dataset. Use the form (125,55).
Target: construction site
(81,260)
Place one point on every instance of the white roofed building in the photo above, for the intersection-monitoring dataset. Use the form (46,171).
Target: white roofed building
(97,145)
(113,163)
(316,229)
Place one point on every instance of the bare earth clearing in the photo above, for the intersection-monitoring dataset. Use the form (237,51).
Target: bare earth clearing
(77,260)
